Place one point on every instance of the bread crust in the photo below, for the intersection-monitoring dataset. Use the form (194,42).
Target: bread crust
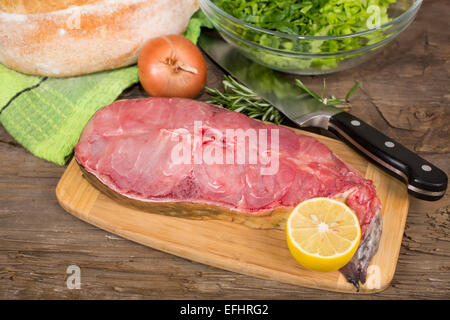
(87,37)
(40,6)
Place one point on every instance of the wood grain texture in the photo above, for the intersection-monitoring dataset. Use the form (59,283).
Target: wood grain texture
(234,246)
(404,93)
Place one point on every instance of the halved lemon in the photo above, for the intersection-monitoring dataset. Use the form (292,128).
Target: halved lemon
(323,234)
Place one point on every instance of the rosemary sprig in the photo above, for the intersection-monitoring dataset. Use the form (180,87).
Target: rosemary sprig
(331,101)
(239,98)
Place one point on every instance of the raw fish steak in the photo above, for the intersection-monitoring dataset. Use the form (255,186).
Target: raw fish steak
(187,158)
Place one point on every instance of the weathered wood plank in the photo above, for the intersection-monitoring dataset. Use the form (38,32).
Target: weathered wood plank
(404,93)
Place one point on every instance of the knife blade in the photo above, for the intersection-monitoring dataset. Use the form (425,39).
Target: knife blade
(423,179)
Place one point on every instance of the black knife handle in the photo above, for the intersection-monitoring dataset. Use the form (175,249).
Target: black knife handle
(425,181)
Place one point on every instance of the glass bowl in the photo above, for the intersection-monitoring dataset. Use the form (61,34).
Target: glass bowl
(305,55)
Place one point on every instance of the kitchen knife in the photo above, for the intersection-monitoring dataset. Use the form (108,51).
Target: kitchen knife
(424,180)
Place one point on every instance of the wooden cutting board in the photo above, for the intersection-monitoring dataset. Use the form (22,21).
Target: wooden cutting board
(234,247)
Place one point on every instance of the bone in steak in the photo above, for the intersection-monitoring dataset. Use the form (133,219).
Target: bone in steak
(129,146)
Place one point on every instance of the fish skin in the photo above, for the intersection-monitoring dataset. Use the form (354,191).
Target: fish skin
(356,270)
(317,166)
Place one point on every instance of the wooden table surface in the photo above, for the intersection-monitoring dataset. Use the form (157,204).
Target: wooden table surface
(405,93)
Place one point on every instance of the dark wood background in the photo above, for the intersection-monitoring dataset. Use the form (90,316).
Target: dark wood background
(405,93)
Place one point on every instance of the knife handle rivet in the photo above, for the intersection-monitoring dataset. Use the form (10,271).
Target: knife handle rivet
(426,167)
(355,123)
(389,144)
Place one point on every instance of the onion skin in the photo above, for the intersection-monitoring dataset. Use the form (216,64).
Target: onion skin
(172,66)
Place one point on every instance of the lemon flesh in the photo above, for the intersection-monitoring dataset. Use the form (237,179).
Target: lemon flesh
(323,234)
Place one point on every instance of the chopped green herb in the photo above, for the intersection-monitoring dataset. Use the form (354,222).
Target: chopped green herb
(308,18)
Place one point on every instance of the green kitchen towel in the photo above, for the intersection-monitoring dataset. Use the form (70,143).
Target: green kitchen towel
(47,115)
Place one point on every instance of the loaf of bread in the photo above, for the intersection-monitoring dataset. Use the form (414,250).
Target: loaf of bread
(62,38)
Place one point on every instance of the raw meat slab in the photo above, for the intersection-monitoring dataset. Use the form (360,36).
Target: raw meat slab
(234,247)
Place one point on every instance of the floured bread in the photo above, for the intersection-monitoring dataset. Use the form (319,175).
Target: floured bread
(62,38)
